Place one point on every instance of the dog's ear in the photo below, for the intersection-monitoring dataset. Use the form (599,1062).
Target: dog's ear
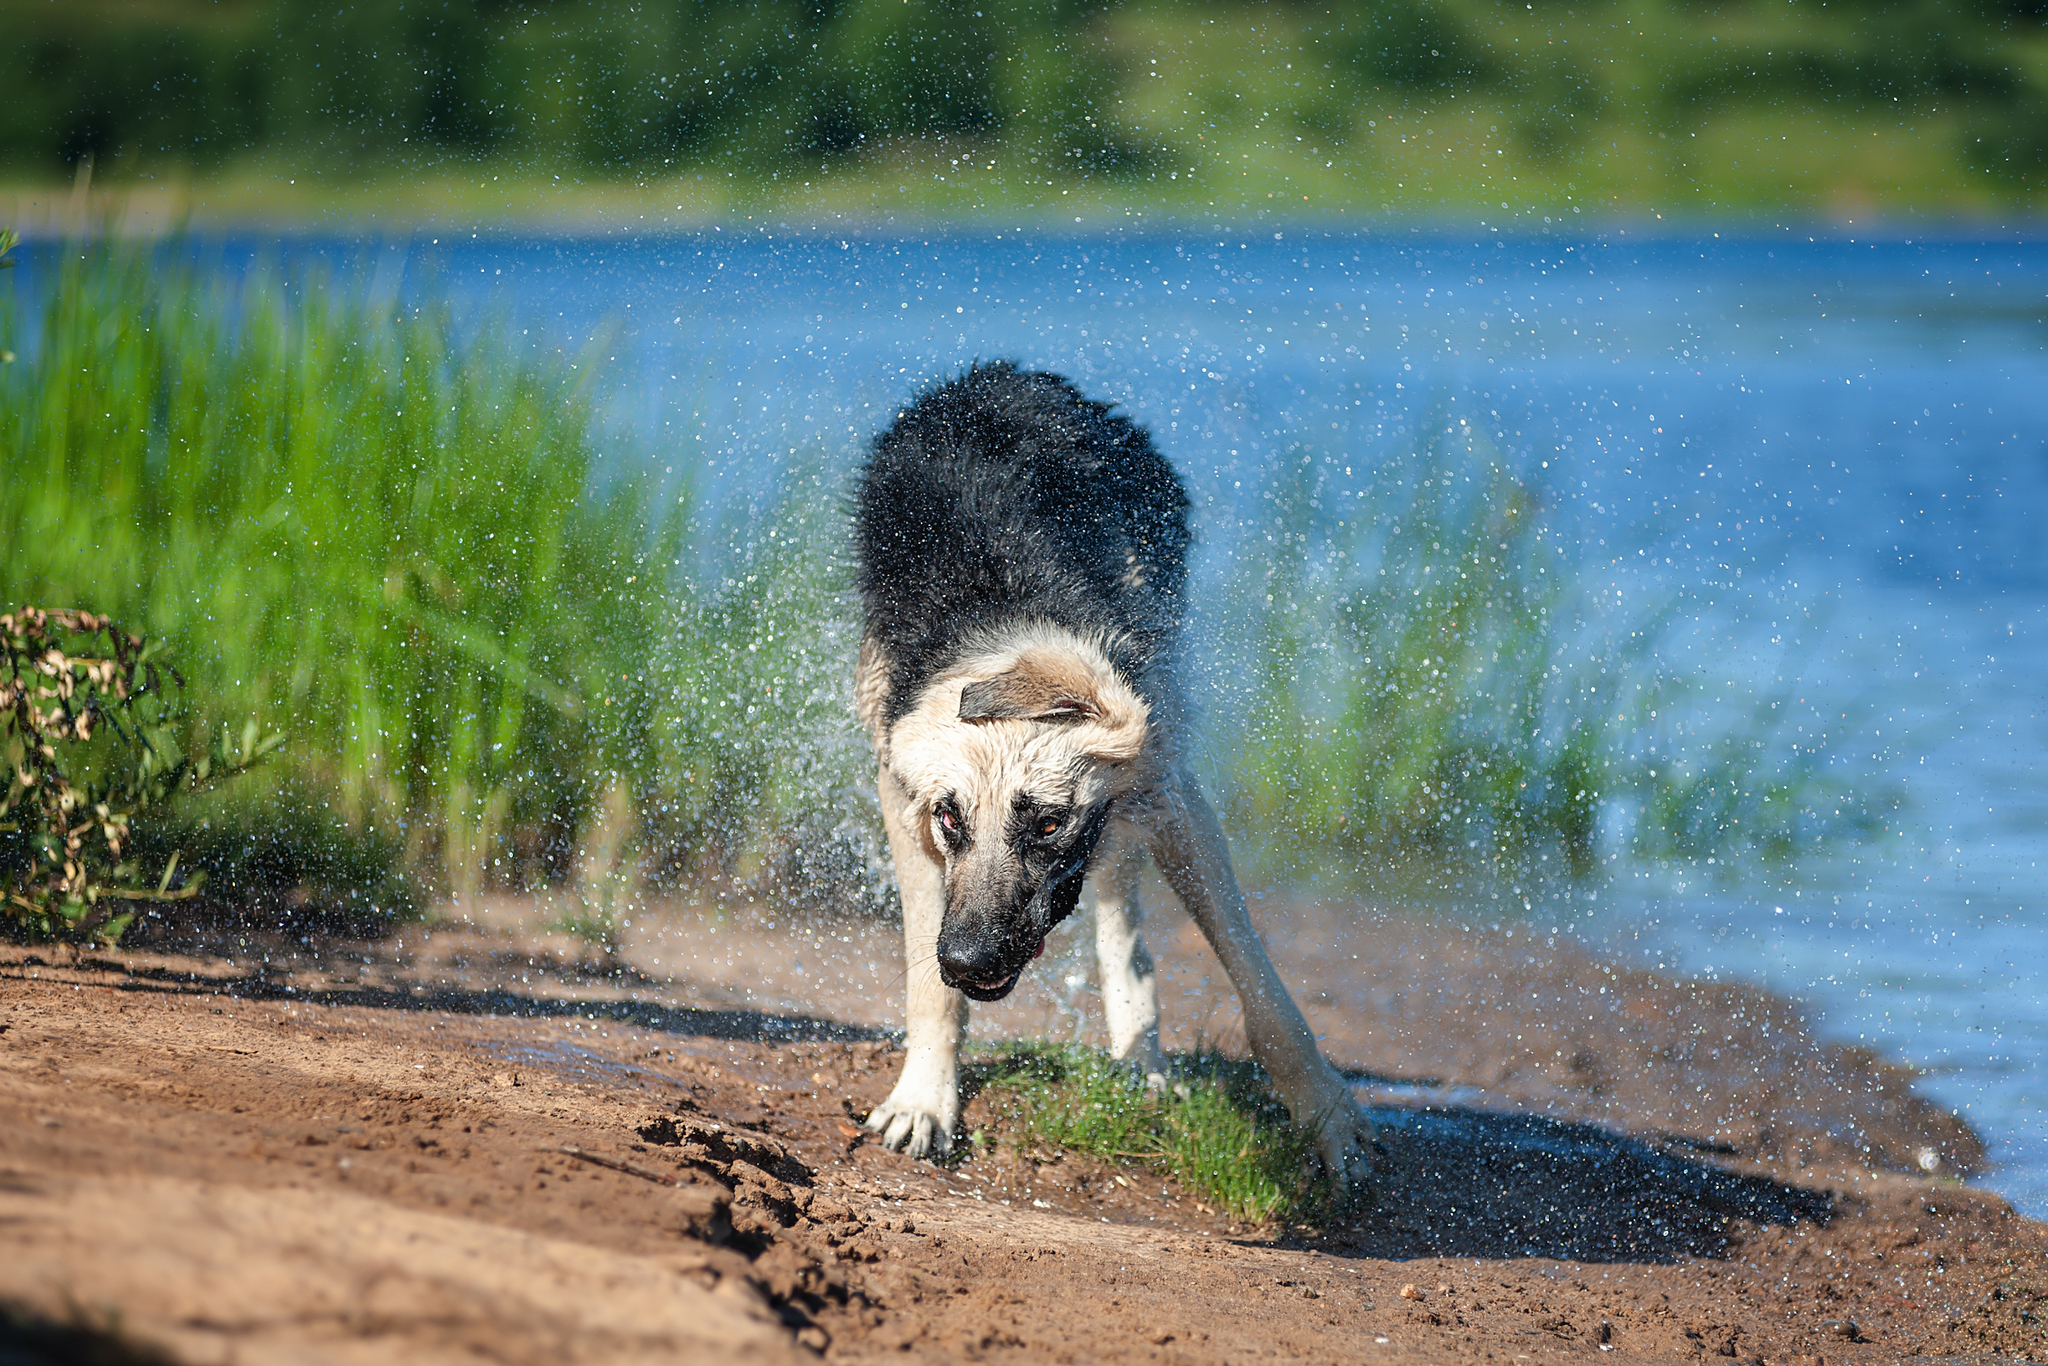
(1017,696)
(1049,685)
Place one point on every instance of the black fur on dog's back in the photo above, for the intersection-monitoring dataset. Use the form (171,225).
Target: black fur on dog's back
(1004,496)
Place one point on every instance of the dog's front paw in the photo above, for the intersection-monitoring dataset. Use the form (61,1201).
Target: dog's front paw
(1146,1065)
(1344,1145)
(917,1125)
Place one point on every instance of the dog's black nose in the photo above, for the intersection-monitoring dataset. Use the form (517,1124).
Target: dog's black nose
(971,956)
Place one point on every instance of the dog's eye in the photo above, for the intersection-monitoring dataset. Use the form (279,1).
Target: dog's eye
(1048,826)
(948,821)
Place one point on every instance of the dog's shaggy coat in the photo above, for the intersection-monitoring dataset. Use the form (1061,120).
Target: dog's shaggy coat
(1022,560)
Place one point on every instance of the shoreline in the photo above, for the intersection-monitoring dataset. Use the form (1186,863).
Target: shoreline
(55,210)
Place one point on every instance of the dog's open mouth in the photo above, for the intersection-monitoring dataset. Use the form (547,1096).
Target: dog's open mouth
(989,991)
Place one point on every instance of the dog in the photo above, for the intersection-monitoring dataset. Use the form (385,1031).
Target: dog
(1021,565)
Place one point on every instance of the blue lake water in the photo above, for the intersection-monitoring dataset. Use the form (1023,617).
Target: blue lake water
(1841,442)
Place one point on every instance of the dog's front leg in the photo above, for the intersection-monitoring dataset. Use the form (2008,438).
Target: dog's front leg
(1195,860)
(919,1115)
(1130,987)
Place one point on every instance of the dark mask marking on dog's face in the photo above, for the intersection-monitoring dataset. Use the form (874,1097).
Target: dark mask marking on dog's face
(1010,879)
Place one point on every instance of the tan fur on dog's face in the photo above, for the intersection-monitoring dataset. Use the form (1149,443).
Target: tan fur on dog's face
(1011,759)
(1079,733)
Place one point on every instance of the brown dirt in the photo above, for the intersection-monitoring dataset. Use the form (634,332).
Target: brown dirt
(258,1149)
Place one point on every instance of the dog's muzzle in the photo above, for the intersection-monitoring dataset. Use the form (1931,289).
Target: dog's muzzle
(985,966)
(996,990)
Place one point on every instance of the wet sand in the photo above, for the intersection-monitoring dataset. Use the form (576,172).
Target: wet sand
(247,1148)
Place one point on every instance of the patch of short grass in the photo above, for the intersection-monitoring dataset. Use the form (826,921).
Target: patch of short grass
(1215,1130)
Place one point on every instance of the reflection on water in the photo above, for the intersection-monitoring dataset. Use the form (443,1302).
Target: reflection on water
(1837,441)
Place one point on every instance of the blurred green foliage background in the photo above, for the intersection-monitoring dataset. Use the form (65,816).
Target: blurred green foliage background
(1410,105)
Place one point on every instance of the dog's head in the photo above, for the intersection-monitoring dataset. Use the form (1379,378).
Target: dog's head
(1013,762)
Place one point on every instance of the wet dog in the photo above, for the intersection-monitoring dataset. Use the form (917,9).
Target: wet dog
(1021,560)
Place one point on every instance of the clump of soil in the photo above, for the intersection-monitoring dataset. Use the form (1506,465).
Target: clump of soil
(475,1145)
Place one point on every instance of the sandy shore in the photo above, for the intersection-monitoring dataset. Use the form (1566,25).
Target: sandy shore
(236,1148)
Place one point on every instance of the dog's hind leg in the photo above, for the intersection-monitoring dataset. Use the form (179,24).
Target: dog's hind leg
(1191,853)
(1130,990)
(919,1115)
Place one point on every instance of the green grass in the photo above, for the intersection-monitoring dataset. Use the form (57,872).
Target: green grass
(380,530)
(1216,1130)
(345,523)
(1438,696)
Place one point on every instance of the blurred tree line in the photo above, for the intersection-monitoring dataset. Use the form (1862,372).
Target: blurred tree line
(760,88)
(584,83)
